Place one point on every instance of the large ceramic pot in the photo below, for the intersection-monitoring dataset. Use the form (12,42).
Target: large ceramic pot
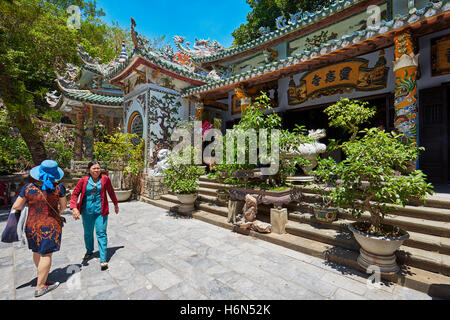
(123,195)
(378,251)
(187,202)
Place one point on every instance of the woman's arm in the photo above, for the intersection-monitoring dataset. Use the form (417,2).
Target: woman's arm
(19,204)
(62,205)
(112,194)
(75,194)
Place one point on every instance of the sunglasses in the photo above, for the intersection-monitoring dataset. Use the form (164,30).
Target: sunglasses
(94,190)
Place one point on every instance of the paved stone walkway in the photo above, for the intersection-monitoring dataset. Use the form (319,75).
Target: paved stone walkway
(155,255)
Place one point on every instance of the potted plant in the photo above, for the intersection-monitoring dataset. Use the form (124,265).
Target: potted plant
(366,181)
(122,156)
(181,178)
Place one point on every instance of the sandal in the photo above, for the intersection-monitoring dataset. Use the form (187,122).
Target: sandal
(88,256)
(104,266)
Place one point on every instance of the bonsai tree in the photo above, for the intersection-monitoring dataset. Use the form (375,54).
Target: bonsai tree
(182,177)
(349,115)
(118,152)
(258,116)
(368,180)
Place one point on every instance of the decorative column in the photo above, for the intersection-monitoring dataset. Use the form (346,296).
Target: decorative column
(199,111)
(89,135)
(406,66)
(79,134)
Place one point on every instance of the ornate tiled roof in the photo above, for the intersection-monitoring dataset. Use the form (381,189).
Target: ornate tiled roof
(284,27)
(165,60)
(414,15)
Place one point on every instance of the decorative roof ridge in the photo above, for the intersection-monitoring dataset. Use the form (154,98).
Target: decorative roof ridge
(297,22)
(414,15)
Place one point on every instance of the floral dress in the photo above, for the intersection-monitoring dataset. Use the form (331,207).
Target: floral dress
(44,225)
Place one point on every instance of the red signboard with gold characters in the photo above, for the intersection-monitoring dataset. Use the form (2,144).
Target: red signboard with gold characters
(347,76)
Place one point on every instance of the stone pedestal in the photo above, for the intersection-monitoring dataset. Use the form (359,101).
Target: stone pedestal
(278,220)
(155,188)
(386,264)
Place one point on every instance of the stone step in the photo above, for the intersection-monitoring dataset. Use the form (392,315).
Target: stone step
(337,234)
(420,212)
(213,185)
(418,258)
(441,201)
(428,213)
(434,284)
(417,240)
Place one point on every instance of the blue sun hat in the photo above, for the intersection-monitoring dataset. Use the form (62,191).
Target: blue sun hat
(48,172)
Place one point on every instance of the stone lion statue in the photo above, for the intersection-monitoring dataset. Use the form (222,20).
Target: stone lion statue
(162,163)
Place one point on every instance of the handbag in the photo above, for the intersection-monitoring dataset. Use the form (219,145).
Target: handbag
(10,235)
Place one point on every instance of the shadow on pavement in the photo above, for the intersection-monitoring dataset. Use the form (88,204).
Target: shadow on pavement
(110,252)
(60,275)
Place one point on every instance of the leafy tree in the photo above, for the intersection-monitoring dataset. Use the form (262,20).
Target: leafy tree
(265,12)
(35,43)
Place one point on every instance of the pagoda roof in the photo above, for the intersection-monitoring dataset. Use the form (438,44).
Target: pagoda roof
(301,21)
(356,43)
(171,68)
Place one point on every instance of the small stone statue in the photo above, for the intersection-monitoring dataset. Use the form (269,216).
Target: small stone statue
(247,220)
(162,163)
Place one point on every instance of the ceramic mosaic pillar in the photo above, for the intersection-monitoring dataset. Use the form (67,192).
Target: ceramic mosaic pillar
(79,133)
(89,133)
(406,66)
(199,111)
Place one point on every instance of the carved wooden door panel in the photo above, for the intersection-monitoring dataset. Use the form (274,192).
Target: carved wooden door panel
(433,118)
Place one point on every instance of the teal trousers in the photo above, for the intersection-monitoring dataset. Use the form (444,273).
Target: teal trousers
(100,224)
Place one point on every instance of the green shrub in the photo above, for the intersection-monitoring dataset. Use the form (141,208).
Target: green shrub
(182,178)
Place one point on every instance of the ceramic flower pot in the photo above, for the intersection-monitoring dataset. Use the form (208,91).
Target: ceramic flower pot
(187,202)
(378,251)
(324,214)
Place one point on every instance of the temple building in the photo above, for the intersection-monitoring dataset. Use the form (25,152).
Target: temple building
(393,54)
(87,99)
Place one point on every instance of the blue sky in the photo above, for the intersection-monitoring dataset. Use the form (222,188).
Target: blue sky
(202,19)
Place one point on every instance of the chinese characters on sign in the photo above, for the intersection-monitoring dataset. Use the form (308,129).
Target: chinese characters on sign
(342,77)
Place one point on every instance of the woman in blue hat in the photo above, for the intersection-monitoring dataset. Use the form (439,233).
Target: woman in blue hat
(46,201)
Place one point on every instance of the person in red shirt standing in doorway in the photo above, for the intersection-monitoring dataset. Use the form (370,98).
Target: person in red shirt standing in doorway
(89,201)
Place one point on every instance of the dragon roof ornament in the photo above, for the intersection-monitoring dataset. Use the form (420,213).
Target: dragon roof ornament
(202,48)
(95,65)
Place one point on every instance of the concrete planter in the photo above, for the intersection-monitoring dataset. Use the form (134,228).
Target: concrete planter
(187,202)
(123,195)
(378,251)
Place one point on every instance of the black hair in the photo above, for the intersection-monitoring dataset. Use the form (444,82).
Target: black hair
(93,163)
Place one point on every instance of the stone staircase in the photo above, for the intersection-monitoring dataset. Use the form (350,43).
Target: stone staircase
(425,257)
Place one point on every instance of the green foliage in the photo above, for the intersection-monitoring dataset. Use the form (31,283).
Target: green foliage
(14,154)
(119,152)
(265,12)
(52,116)
(182,177)
(260,116)
(369,177)
(35,43)
(349,115)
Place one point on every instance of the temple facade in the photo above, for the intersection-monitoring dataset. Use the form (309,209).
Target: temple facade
(394,54)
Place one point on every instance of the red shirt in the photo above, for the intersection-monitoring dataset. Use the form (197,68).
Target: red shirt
(81,189)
